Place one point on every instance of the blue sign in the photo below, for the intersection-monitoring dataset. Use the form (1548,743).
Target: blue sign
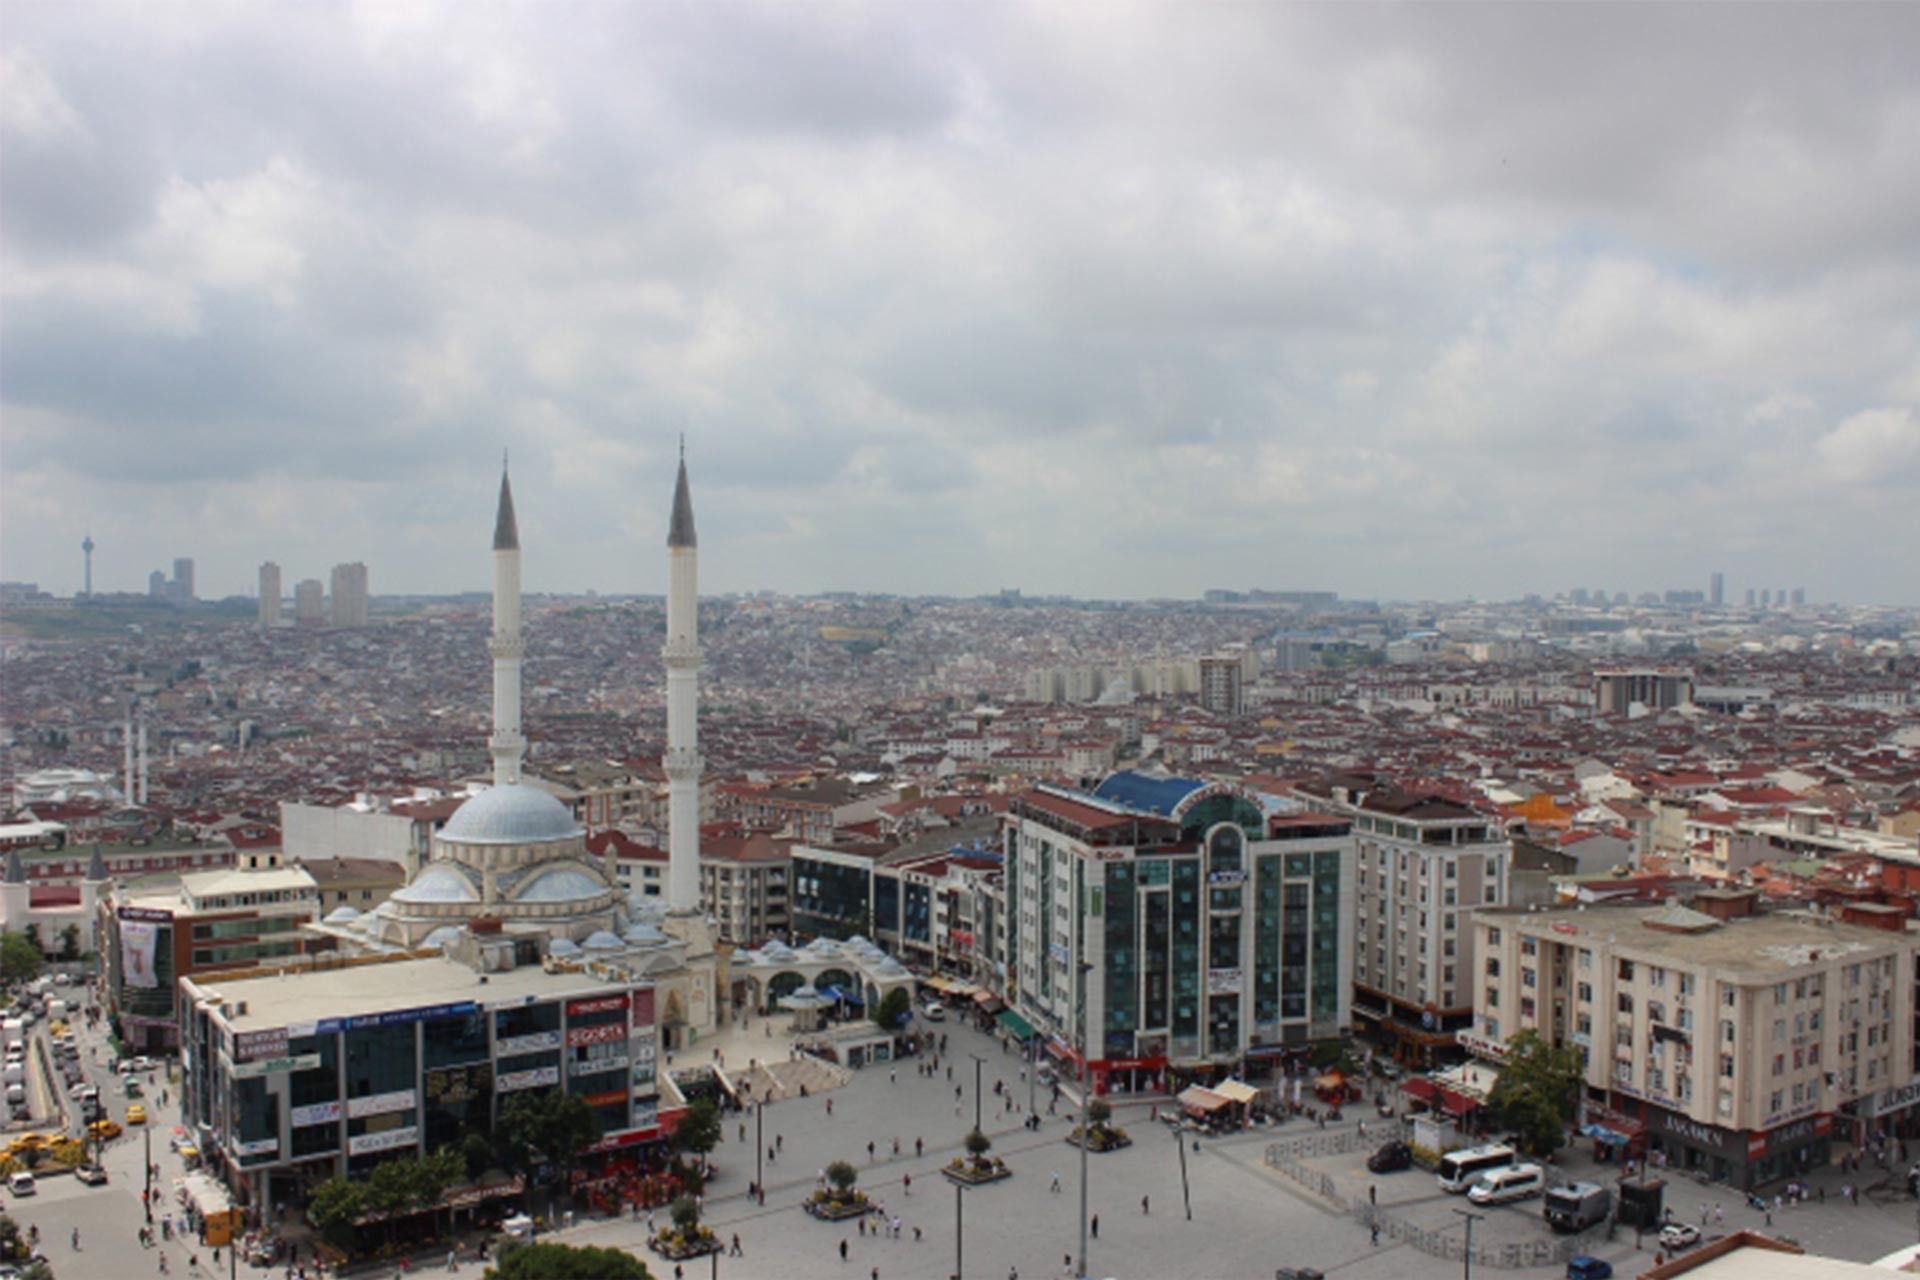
(393,1017)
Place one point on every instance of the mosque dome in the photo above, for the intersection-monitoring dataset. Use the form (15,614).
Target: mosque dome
(602,940)
(342,915)
(515,814)
(566,884)
(440,883)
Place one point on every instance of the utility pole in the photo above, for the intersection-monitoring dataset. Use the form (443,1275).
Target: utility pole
(1186,1193)
(1466,1255)
(959,1228)
(147,1129)
(978,1063)
(1086,1096)
(759,1145)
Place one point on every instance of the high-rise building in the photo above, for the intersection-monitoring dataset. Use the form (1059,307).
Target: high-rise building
(1717,595)
(1750,599)
(1222,684)
(1766,599)
(309,603)
(269,594)
(157,585)
(1799,596)
(681,654)
(349,595)
(183,579)
(1162,925)
(1656,688)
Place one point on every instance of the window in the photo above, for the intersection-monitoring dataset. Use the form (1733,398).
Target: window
(1493,997)
(1625,1004)
(1583,992)
(1493,937)
(1625,971)
(1528,947)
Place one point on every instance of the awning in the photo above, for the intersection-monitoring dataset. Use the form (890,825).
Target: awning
(1601,1133)
(1420,1089)
(1201,1100)
(1331,1081)
(1457,1104)
(1021,1028)
(941,985)
(839,993)
(1236,1092)
(988,1002)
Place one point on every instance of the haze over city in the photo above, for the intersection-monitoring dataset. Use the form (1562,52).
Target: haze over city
(1407,302)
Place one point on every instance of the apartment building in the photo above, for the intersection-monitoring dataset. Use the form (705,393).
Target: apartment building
(1422,867)
(743,886)
(1162,926)
(1737,1043)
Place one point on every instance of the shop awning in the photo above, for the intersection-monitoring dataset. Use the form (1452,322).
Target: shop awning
(1021,1028)
(1236,1092)
(1419,1088)
(988,1002)
(1200,1100)
(1601,1133)
(1331,1081)
(1457,1104)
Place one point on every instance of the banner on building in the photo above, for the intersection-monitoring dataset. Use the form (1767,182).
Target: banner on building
(139,939)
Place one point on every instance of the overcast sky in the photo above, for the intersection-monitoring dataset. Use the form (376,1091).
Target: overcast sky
(1107,300)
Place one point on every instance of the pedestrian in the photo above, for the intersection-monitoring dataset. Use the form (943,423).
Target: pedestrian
(1375,1228)
(916,1235)
(906,1183)
(919,1145)
(1373,1193)
(893,1075)
(1143,1206)
(736,1251)
(829,1106)
(869,1152)
(1703,1215)
(76,1239)
(1096,1226)
(1769,1213)
(843,1248)
(779,1142)
(1719,1214)
(1054,1183)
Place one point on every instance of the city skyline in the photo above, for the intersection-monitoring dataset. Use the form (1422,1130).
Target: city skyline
(1403,302)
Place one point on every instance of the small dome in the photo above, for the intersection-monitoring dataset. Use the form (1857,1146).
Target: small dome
(563,947)
(645,935)
(438,884)
(342,915)
(517,814)
(601,940)
(442,937)
(563,885)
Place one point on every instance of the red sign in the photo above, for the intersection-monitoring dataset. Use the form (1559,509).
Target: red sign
(599,1004)
(614,1141)
(617,1098)
(1128,1064)
(605,1034)
(643,1007)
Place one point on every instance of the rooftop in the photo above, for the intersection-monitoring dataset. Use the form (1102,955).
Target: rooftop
(1759,946)
(275,1001)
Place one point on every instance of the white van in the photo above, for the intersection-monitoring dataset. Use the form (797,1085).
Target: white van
(1515,1182)
(21,1184)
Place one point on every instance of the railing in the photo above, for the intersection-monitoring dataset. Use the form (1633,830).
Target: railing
(1289,1159)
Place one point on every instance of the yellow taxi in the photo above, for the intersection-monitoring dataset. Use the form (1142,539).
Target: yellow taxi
(136,1113)
(104,1129)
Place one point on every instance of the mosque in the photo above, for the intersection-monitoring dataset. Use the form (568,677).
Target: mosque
(510,881)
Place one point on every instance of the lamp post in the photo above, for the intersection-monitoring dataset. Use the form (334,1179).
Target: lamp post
(1086,1098)
(759,1144)
(959,1228)
(1466,1254)
(147,1129)
(978,1063)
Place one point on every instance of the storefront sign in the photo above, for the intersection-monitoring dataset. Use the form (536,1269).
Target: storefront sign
(248,1046)
(606,1033)
(1223,982)
(1898,1098)
(318,1113)
(594,1066)
(264,1147)
(1481,1046)
(537,1078)
(385,1140)
(1789,1136)
(145,913)
(393,1017)
(1226,877)
(613,1099)
(380,1104)
(600,1004)
(514,1046)
(275,1066)
(475,1195)
(139,941)
(456,1086)
(1723,1142)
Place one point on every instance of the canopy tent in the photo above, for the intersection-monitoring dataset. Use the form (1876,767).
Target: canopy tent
(1200,1100)
(1420,1089)
(1457,1104)
(1019,1026)
(843,995)
(1601,1133)
(1236,1092)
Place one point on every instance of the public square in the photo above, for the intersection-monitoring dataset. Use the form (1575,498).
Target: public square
(1247,1219)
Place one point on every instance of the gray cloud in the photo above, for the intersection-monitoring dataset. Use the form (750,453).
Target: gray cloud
(1408,300)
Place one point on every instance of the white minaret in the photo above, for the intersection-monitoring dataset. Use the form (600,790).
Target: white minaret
(506,745)
(682,656)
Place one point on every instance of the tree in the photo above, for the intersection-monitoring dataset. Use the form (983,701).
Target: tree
(699,1129)
(686,1213)
(978,1144)
(566,1262)
(477,1152)
(1099,1111)
(1535,1093)
(547,1127)
(70,942)
(20,960)
(841,1176)
(891,1013)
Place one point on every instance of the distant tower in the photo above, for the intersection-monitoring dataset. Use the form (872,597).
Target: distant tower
(682,657)
(507,745)
(269,594)
(86,548)
(1718,595)
(183,579)
(308,602)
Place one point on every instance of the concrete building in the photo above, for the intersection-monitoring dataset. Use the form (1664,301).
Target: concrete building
(1733,1042)
(309,603)
(1223,681)
(1160,929)
(181,588)
(1717,592)
(1423,865)
(348,598)
(291,1081)
(1616,691)
(269,594)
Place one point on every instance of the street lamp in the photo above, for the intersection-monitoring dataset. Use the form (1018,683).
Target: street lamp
(759,1145)
(978,1063)
(1086,1097)
(147,1130)
(959,1227)
(1466,1254)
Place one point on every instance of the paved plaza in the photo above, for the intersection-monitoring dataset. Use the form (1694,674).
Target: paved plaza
(1247,1218)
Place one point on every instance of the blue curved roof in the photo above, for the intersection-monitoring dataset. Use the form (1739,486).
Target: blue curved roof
(1145,793)
(514,814)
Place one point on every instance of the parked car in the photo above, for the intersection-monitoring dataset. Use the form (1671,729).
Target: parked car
(21,1184)
(1588,1267)
(935,1012)
(1391,1158)
(1679,1235)
(91,1174)
(136,1113)
(1298,1273)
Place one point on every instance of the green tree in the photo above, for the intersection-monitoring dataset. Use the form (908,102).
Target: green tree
(1536,1091)
(33,936)
(1099,1111)
(699,1129)
(686,1213)
(335,1206)
(978,1144)
(548,1127)
(891,1013)
(70,942)
(566,1262)
(477,1152)
(841,1176)
(20,960)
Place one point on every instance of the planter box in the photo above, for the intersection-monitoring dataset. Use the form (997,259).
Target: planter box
(1111,1140)
(681,1252)
(976,1175)
(837,1211)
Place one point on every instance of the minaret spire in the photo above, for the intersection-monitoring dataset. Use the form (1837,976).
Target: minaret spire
(507,746)
(682,656)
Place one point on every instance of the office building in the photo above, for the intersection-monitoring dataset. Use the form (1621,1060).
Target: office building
(309,603)
(1223,679)
(349,595)
(1736,1043)
(181,588)
(1162,925)
(269,594)
(1616,692)
(1717,595)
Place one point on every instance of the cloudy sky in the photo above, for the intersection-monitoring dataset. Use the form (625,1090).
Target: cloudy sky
(1107,300)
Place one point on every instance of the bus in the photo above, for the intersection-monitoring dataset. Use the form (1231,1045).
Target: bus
(1459,1169)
